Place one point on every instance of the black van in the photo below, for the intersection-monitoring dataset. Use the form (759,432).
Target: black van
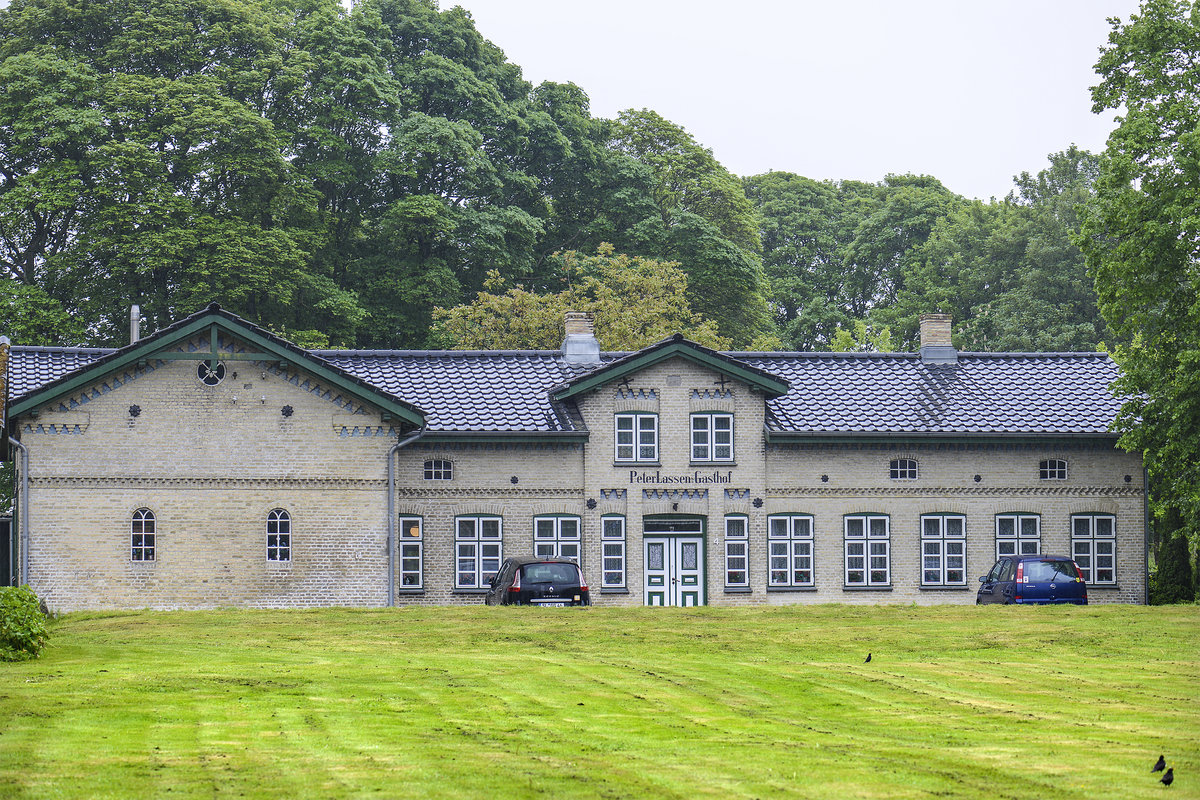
(1033,579)
(534,581)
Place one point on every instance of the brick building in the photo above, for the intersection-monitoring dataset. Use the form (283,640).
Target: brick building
(215,464)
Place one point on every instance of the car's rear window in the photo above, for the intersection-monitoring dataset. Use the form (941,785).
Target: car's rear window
(550,573)
(1050,570)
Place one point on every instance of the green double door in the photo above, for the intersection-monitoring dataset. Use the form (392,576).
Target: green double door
(673,559)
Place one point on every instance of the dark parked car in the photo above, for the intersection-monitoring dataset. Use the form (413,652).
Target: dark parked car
(1033,579)
(535,581)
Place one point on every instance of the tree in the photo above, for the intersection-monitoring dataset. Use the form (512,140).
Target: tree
(1141,237)
(635,301)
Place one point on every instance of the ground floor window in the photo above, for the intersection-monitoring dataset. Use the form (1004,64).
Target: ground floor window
(612,542)
(1018,534)
(1094,547)
(142,533)
(412,553)
(790,551)
(556,537)
(279,535)
(943,550)
(478,551)
(737,572)
(868,550)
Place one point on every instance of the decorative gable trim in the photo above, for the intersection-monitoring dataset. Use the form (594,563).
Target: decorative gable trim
(770,385)
(172,344)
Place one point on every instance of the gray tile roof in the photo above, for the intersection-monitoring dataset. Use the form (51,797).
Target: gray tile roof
(984,393)
(831,393)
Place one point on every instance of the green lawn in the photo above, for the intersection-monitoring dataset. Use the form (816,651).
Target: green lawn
(992,702)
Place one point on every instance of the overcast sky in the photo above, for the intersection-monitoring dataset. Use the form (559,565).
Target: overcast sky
(970,91)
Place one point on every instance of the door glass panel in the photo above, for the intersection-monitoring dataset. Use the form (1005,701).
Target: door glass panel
(654,555)
(689,555)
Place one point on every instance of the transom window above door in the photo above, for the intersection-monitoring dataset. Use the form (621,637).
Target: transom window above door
(712,437)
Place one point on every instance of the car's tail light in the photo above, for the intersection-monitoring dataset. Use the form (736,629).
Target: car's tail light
(1078,572)
(516,584)
(1020,572)
(582,585)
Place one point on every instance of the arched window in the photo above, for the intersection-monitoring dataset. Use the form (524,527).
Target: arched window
(279,535)
(437,469)
(903,469)
(1052,469)
(141,539)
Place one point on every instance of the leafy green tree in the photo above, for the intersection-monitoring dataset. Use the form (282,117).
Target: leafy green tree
(1141,237)
(635,302)
(710,226)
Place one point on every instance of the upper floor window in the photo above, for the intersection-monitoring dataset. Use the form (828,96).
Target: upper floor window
(142,533)
(1018,534)
(1094,547)
(637,437)
(279,535)
(943,550)
(556,537)
(712,437)
(437,469)
(790,551)
(904,469)
(868,551)
(1052,469)
(412,553)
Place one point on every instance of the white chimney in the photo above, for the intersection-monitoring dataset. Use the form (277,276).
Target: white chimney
(580,346)
(135,323)
(936,344)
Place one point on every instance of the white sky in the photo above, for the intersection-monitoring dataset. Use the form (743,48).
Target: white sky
(969,91)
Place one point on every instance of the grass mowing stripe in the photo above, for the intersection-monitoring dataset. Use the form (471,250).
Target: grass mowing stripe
(958,702)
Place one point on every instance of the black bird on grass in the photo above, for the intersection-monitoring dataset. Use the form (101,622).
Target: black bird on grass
(868,661)
(1159,765)
(1170,776)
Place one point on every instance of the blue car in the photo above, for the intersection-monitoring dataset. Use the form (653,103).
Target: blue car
(1037,579)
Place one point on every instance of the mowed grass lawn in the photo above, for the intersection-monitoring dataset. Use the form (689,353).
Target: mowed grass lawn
(602,702)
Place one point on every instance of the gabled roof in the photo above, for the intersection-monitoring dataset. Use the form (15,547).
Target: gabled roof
(674,347)
(85,365)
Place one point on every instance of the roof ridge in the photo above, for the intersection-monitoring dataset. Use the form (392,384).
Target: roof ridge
(49,348)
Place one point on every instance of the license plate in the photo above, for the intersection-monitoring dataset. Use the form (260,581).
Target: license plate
(551,604)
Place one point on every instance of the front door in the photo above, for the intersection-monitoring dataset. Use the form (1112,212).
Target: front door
(674,563)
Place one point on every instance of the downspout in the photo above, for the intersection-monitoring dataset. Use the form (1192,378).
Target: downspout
(1146,535)
(23,511)
(391,511)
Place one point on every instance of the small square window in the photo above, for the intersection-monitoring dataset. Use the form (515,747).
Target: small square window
(1052,469)
(437,469)
(903,469)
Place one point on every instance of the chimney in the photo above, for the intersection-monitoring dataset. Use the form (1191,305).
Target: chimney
(936,345)
(580,346)
(135,323)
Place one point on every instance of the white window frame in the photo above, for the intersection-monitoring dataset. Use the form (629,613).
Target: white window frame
(411,553)
(737,551)
(712,442)
(1052,469)
(558,537)
(943,550)
(438,469)
(612,552)
(1018,534)
(1090,535)
(790,551)
(478,550)
(872,535)
(639,442)
(279,529)
(903,469)
(143,549)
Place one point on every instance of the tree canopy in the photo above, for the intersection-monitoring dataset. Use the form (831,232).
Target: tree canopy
(1141,236)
